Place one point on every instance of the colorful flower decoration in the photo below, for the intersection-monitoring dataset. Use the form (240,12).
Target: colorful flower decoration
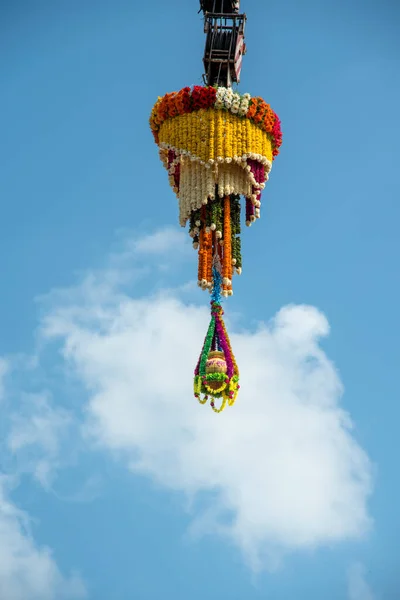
(216,374)
(216,146)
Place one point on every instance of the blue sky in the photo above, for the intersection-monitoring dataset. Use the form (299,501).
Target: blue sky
(114,483)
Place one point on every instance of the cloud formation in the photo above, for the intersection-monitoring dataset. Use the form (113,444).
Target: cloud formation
(37,433)
(28,571)
(358,587)
(3,371)
(281,471)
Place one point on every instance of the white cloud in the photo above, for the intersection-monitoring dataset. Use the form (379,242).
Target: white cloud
(37,433)
(4,367)
(358,588)
(282,467)
(28,572)
(160,242)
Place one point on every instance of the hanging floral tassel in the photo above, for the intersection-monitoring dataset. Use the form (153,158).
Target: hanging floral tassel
(235,234)
(216,374)
(227,254)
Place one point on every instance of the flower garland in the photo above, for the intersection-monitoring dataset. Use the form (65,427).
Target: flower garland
(193,99)
(210,136)
(242,158)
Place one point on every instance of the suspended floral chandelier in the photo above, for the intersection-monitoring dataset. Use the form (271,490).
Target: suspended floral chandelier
(217,146)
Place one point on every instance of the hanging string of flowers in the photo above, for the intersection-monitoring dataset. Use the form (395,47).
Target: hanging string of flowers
(216,375)
(216,146)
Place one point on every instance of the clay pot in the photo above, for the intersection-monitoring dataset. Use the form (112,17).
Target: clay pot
(216,363)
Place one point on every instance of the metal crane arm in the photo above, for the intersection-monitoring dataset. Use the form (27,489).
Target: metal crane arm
(224,47)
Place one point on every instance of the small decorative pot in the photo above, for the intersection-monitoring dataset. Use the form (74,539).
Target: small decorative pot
(216,363)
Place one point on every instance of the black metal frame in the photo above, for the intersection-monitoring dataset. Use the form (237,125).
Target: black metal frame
(219,6)
(222,30)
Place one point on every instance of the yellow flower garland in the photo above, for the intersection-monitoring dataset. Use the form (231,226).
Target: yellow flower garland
(218,139)
(209,134)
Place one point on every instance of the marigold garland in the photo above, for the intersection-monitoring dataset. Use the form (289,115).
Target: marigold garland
(216,146)
(190,100)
